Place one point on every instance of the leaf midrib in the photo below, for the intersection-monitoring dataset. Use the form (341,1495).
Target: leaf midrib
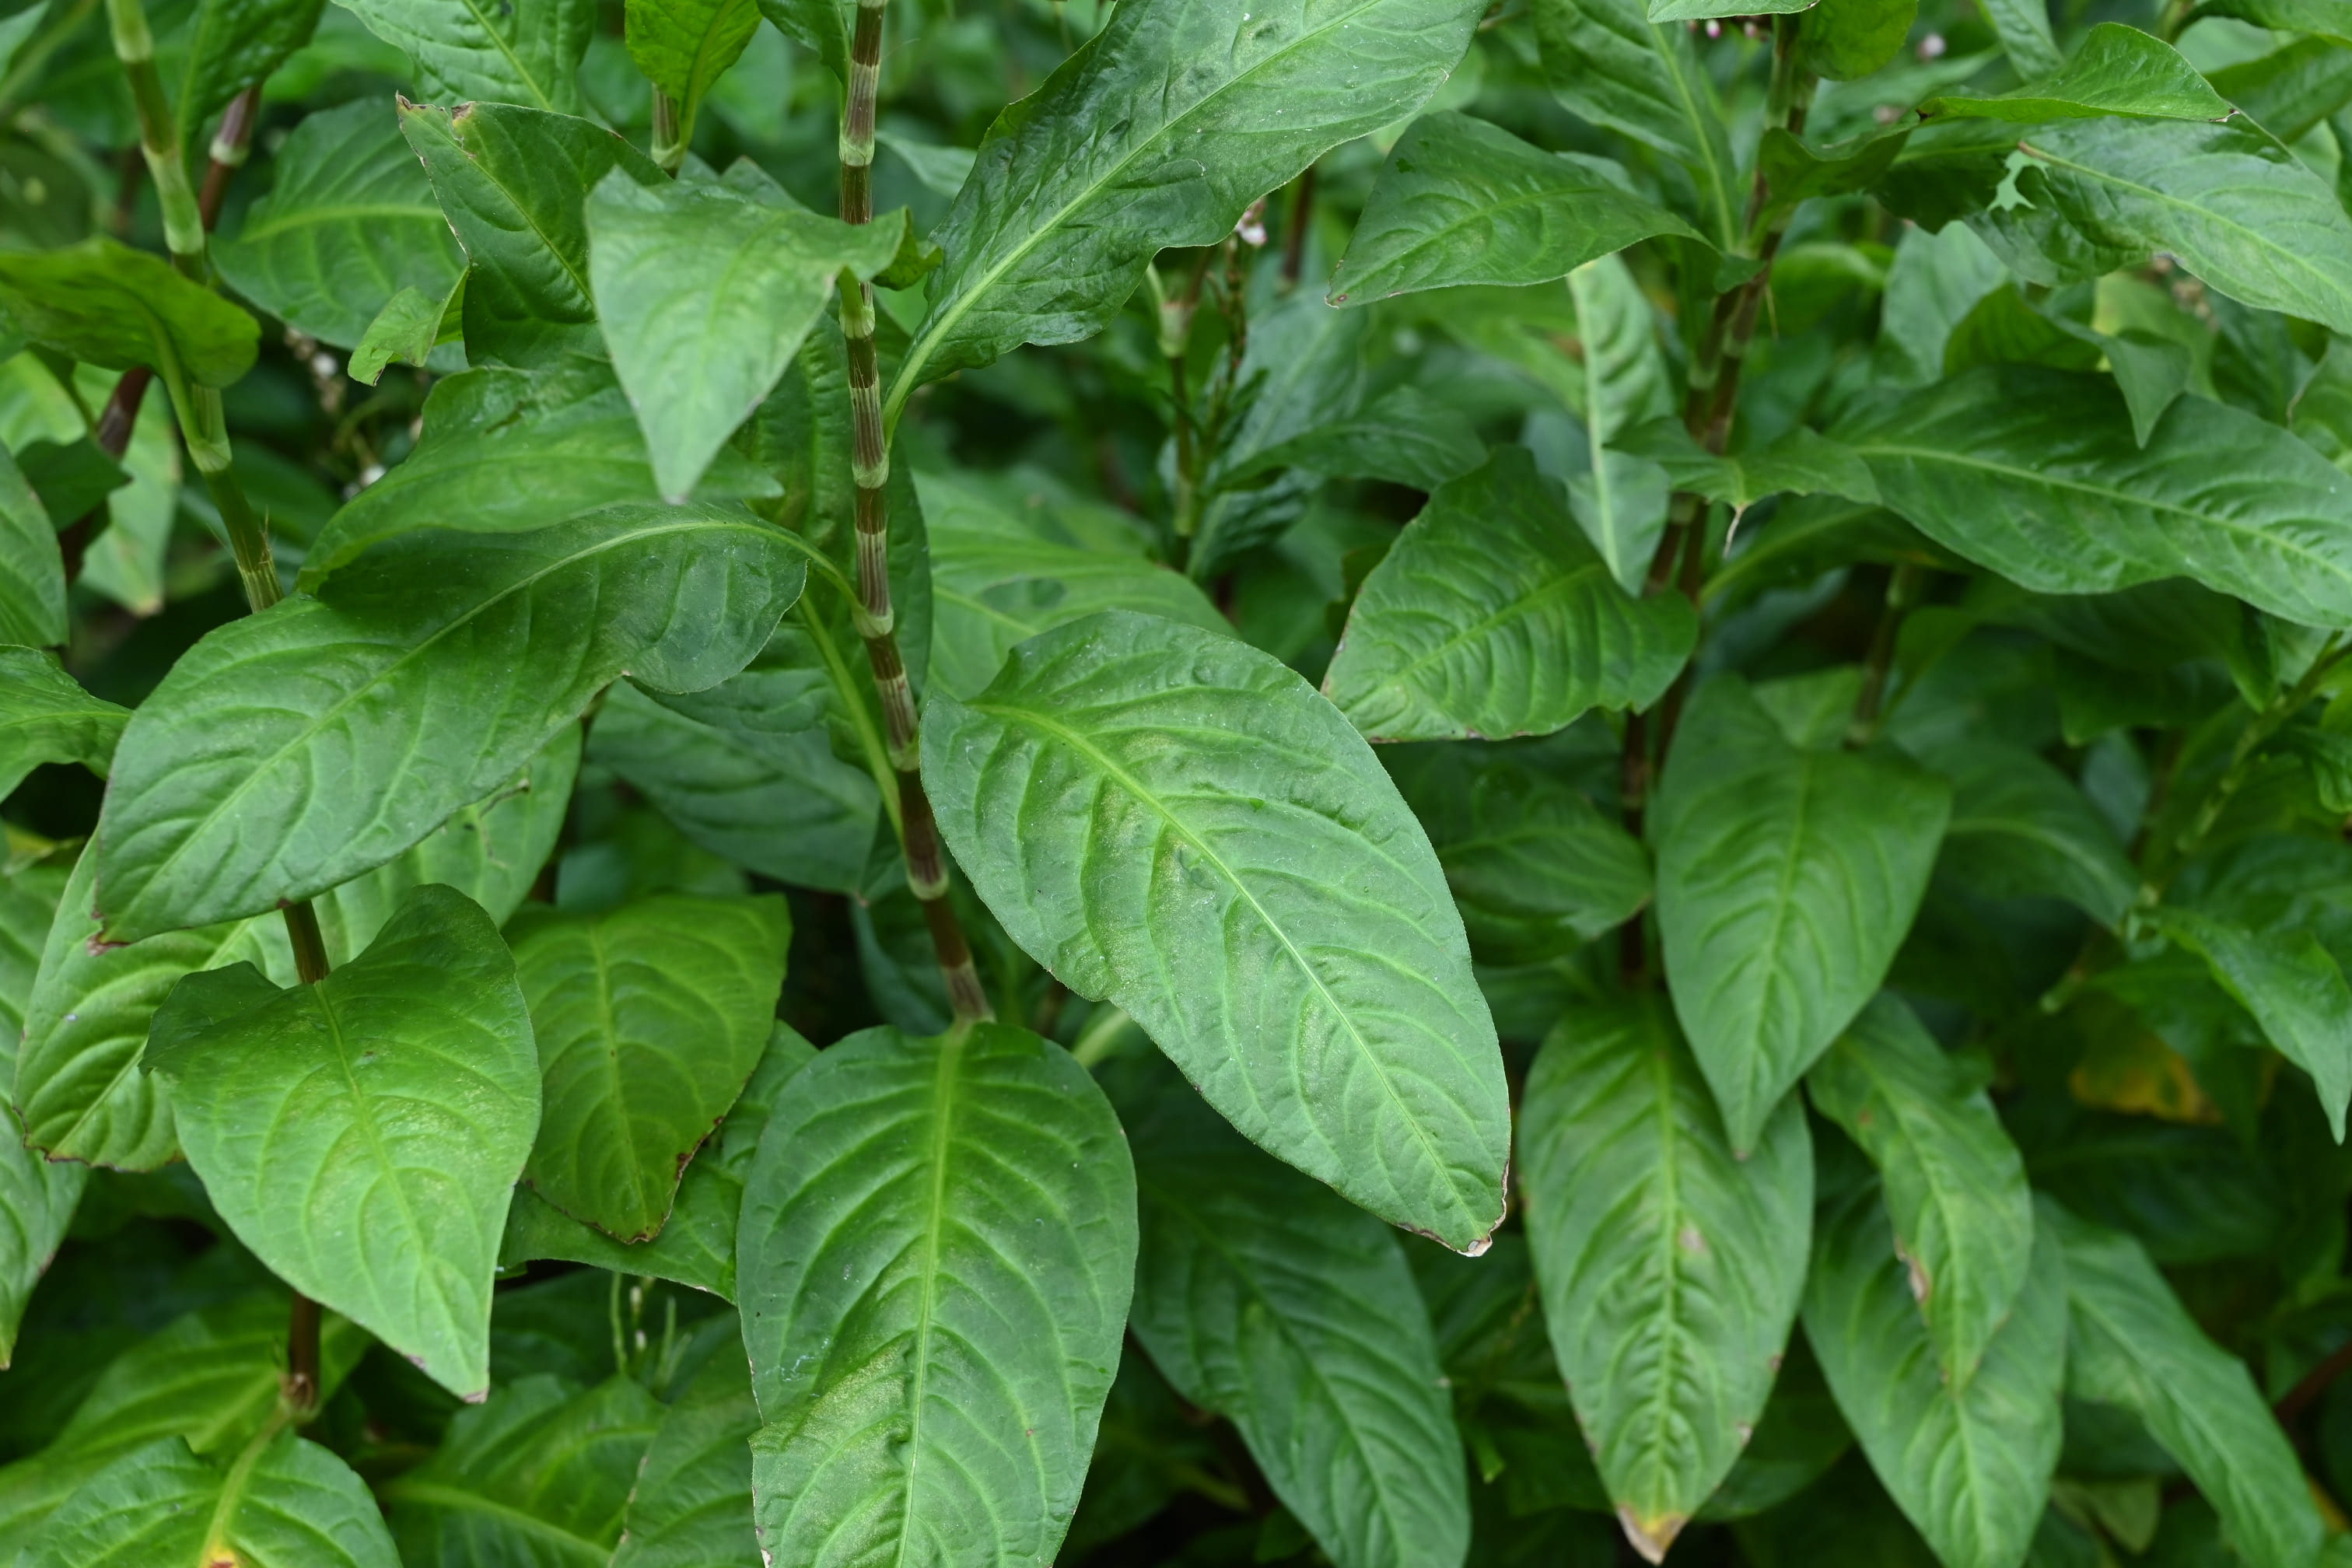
(455,1499)
(1135,787)
(943,1085)
(919,353)
(1521,607)
(205,824)
(316,217)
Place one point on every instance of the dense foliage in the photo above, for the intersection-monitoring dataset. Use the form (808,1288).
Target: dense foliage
(1378,781)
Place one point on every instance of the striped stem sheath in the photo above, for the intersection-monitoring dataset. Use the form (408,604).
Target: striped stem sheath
(927,866)
(159,137)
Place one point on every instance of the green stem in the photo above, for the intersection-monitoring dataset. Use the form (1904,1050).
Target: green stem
(217,1548)
(918,831)
(1108,1025)
(669,137)
(159,137)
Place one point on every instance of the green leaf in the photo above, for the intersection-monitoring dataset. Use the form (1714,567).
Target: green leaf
(513,183)
(292,1504)
(684,46)
(539,1474)
(78,1090)
(649,1020)
(1002,573)
(1263,1298)
(1403,436)
(1158,132)
(2151,373)
(46,717)
(508,450)
(1609,63)
(1671,1268)
(1494,615)
(1968,1464)
(2226,201)
(746,770)
(1847,39)
(1703,10)
(2023,28)
(1802,462)
(211,1376)
(103,302)
(822,25)
(2020,828)
(705,291)
(1260,900)
(526,52)
(350,225)
(230,45)
(2118,70)
(37,1196)
(697,1248)
(1954,1184)
(2294,986)
(937,1250)
(691,1505)
(32,569)
(1461,201)
(2037,474)
(407,330)
(470,650)
(2327,19)
(1785,881)
(1621,381)
(940,170)
(1535,867)
(2132,1345)
(362,1136)
(2290,89)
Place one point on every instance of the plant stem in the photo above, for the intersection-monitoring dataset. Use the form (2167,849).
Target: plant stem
(1293,239)
(230,145)
(300,1387)
(669,138)
(918,832)
(1902,592)
(159,137)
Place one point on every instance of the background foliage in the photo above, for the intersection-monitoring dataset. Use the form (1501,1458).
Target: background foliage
(1836,522)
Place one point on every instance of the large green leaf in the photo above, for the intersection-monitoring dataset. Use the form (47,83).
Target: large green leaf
(1608,62)
(1954,1184)
(293,1505)
(649,1019)
(506,451)
(2132,1345)
(691,1505)
(36,1197)
(524,51)
(2226,201)
(1000,575)
(211,1376)
(1403,436)
(1671,1268)
(349,222)
(1263,1298)
(32,569)
(1785,881)
(1535,867)
(1968,1464)
(103,302)
(362,1136)
(684,46)
(226,46)
(1158,132)
(514,182)
(1621,381)
(937,1250)
(424,676)
(2023,28)
(1494,615)
(2037,474)
(2290,981)
(2117,71)
(697,1247)
(1172,821)
(824,25)
(538,1475)
(46,717)
(2020,828)
(747,771)
(77,1090)
(705,291)
(1460,201)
